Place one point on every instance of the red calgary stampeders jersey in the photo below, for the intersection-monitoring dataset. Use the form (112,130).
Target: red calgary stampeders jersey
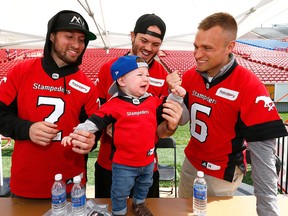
(231,108)
(134,124)
(40,98)
(158,87)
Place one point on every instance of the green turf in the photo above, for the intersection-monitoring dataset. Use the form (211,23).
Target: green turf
(181,136)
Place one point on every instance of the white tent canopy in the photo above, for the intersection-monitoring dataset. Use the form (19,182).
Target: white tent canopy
(24,22)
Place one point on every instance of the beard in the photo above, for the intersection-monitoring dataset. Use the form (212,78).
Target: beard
(136,50)
(62,53)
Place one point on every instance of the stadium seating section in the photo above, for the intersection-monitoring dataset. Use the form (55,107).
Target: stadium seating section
(268,59)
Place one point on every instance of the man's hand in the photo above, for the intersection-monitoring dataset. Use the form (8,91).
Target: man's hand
(42,133)
(172,113)
(82,141)
(173,80)
(109,130)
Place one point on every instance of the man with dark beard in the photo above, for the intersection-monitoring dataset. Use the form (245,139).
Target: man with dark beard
(146,41)
(41,101)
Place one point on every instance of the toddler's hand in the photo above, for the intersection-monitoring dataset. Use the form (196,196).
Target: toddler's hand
(179,90)
(66,141)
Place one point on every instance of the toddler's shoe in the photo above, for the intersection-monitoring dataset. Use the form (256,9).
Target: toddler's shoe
(141,210)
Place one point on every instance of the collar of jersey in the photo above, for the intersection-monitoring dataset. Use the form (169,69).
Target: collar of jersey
(121,94)
(225,71)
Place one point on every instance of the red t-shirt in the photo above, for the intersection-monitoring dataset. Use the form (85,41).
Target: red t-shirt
(158,87)
(40,98)
(223,113)
(134,127)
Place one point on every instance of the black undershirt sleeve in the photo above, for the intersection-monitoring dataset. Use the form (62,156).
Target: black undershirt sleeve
(11,125)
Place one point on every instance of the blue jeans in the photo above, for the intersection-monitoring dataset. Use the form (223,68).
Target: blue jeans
(124,178)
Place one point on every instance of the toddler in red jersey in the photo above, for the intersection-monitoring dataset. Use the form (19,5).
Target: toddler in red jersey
(134,115)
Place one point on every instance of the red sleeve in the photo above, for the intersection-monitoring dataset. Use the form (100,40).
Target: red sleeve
(105,80)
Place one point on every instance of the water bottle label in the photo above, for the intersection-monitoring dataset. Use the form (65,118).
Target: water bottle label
(200,192)
(78,201)
(57,199)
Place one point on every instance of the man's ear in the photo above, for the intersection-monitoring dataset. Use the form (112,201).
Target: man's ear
(231,46)
(52,37)
(132,36)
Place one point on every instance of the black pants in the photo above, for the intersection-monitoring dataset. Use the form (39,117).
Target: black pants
(103,182)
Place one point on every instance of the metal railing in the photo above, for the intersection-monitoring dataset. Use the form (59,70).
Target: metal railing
(282,153)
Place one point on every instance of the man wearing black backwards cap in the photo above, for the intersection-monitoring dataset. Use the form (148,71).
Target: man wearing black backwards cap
(41,101)
(146,38)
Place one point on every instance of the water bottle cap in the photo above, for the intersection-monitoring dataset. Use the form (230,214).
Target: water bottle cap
(58,177)
(200,174)
(77,179)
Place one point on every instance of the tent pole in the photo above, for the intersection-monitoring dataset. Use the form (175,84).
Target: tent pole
(91,14)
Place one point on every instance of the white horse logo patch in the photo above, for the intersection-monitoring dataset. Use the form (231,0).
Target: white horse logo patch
(4,79)
(267,102)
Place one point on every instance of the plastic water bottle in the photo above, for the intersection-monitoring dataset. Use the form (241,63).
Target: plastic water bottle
(200,195)
(78,197)
(59,201)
